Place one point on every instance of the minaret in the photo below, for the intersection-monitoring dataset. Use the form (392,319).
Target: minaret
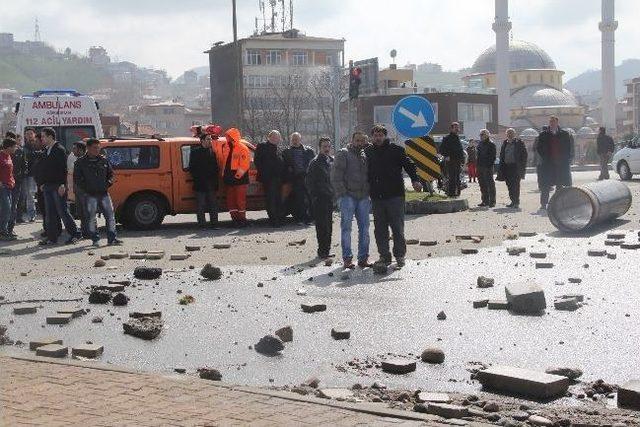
(608,27)
(502,26)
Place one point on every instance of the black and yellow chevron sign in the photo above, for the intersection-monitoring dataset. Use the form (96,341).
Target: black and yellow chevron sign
(423,151)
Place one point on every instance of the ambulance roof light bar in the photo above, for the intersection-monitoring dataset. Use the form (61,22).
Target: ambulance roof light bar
(71,92)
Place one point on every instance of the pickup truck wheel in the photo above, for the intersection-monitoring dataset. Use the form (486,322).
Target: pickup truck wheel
(624,171)
(145,212)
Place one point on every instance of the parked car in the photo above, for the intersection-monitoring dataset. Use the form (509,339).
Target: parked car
(626,161)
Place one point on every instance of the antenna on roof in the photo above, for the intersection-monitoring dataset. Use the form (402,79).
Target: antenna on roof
(36,32)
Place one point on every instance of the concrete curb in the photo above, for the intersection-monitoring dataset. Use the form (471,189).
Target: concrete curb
(421,207)
(365,408)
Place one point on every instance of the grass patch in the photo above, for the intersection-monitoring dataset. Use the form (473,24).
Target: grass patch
(425,197)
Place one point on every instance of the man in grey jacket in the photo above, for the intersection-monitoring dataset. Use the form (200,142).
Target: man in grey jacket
(351,187)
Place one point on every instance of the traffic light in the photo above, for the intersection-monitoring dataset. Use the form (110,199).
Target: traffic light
(354,82)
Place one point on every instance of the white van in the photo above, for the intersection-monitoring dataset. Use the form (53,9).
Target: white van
(73,116)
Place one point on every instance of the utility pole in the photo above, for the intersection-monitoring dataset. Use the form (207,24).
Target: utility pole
(238,50)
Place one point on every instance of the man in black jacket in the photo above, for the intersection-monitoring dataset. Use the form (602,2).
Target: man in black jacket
(513,166)
(605,150)
(204,170)
(54,190)
(453,153)
(93,175)
(386,188)
(29,185)
(318,181)
(555,147)
(296,160)
(270,167)
(486,160)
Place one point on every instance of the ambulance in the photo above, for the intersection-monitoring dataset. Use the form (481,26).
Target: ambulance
(73,116)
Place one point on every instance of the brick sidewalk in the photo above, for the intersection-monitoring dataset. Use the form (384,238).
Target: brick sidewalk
(43,392)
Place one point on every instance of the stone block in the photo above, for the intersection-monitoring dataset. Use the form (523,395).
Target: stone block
(192,248)
(27,309)
(52,350)
(428,242)
(446,410)
(149,313)
(481,303)
(118,255)
(89,351)
(612,242)
(597,252)
(340,334)
(111,287)
(538,255)
(630,245)
(73,311)
(497,304)
(468,251)
(629,395)
(35,344)
(566,304)
(485,282)
(616,235)
(398,366)
(222,246)
(523,382)
(138,256)
(544,265)
(285,334)
(335,393)
(312,307)
(178,257)
(59,319)
(424,396)
(516,250)
(525,298)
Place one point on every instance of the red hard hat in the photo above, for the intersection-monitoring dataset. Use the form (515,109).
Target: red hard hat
(213,130)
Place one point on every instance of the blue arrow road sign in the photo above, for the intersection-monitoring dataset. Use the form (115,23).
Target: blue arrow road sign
(413,116)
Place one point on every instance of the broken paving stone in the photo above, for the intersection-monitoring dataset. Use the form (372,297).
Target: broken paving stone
(340,334)
(52,350)
(178,257)
(516,250)
(497,304)
(527,233)
(612,256)
(146,328)
(59,319)
(96,319)
(538,255)
(616,235)
(566,304)
(269,345)
(597,252)
(629,395)
(571,373)
(141,314)
(491,406)
(98,296)
(544,265)
(27,309)
(441,316)
(468,251)
(118,255)
(480,303)
(89,351)
(138,256)
(120,300)
(444,410)
(577,297)
(147,273)
(412,242)
(612,242)
(424,396)
(179,370)
(398,366)
(335,393)
(428,242)
(192,248)
(574,280)
(210,374)
(99,263)
(285,334)
(210,272)
(523,382)
(485,282)
(629,245)
(33,345)
(433,355)
(312,307)
(525,298)
(222,246)
(537,420)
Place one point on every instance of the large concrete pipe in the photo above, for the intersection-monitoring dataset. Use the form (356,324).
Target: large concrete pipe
(573,209)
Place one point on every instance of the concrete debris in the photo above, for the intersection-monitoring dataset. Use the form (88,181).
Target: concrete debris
(516,250)
(433,355)
(340,334)
(118,255)
(630,245)
(141,314)
(269,345)
(424,396)
(120,299)
(575,280)
(192,248)
(629,395)
(210,272)
(312,307)
(412,241)
(89,351)
(398,366)
(544,265)
(178,257)
(538,255)
(146,328)
(52,350)
(59,319)
(285,334)
(99,296)
(497,304)
(612,256)
(485,282)
(525,298)
(96,319)
(481,303)
(428,242)
(468,251)
(442,316)
(523,382)
(616,235)
(597,252)
(301,292)
(33,345)
(147,273)
(30,309)
(537,420)
(613,242)
(571,373)
(527,233)
(209,374)
(491,406)
(339,394)
(567,304)
(443,410)
(99,263)
(312,382)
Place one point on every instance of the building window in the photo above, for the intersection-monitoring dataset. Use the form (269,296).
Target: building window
(299,58)
(274,57)
(329,60)
(253,57)
(468,112)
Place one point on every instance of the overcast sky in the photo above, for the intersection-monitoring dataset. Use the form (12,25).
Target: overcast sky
(172,34)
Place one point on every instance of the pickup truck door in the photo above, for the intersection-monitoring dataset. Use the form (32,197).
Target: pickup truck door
(184,198)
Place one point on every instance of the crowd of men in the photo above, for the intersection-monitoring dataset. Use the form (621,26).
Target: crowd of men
(40,169)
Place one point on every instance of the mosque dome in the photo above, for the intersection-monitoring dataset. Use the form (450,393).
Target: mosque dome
(522,56)
(541,96)
(586,131)
(529,133)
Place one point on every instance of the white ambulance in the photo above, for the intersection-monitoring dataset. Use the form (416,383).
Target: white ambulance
(73,116)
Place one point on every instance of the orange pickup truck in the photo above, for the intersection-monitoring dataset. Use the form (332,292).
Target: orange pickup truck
(151,181)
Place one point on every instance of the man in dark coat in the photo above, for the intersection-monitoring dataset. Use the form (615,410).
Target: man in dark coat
(318,181)
(203,166)
(296,160)
(486,161)
(386,188)
(555,147)
(605,151)
(513,166)
(270,167)
(453,153)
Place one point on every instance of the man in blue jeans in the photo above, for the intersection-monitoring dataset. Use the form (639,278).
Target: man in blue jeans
(93,175)
(54,190)
(351,188)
